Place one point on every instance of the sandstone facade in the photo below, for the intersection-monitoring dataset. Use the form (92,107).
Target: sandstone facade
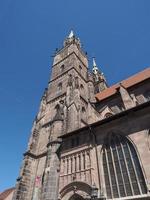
(88,141)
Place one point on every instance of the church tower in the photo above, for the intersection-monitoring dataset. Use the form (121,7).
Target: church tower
(65,107)
(84,147)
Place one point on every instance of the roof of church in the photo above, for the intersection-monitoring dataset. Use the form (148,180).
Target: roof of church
(6,193)
(131,81)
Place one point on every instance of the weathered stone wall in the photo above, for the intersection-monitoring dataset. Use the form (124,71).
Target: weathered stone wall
(57,168)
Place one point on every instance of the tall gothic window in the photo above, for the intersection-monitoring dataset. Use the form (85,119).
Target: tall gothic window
(122,171)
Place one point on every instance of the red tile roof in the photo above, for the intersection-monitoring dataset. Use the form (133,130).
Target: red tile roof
(5,194)
(131,81)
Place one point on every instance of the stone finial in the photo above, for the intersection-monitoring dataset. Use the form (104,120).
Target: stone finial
(71,38)
(95,68)
(71,34)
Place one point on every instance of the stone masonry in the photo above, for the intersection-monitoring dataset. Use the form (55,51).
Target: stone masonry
(88,140)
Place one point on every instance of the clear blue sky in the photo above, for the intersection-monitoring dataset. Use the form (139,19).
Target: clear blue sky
(116,32)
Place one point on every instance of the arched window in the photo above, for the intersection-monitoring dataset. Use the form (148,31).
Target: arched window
(62,68)
(83,109)
(59,87)
(81,86)
(108,115)
(122,171)
(80,68)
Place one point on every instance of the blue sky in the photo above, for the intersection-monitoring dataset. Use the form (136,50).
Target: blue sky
(116,32)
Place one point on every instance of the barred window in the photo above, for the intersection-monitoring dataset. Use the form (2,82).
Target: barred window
(122,171)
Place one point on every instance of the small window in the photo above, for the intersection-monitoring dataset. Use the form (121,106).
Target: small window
(59,87)
(62,68)
(80,68)
(81,86)
(108,115)
(83,109)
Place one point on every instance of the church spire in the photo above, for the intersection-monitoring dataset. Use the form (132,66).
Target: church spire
(95,68)
(99,78)
(71,38)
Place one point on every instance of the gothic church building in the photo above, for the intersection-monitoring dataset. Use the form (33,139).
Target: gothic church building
(88,140)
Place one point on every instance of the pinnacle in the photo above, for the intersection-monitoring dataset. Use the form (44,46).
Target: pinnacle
(94,62)
(95,68)
(71,34)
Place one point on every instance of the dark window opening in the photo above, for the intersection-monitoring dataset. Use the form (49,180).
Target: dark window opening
(62,68)
(75,142)
(83,109)
(59,87)
(147,95)
(108,115)
(81,86)
(80,68)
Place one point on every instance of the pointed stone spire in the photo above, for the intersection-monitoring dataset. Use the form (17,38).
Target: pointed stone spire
(95,68)
(99,78)
(71,38)
(71,34)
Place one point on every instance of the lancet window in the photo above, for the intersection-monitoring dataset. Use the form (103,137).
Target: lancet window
(122,171)
(59,87)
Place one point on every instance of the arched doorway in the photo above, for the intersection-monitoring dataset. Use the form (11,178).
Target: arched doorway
(76,197)
(75,191)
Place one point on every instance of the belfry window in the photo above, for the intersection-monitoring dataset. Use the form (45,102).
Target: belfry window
(122,171)
(80,68)
(59,87)
(81,86)
(62,68)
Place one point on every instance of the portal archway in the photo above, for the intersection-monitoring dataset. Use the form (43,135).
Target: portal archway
(76,197)
(75,191)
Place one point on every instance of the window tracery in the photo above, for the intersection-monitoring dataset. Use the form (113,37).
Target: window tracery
(122,171)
